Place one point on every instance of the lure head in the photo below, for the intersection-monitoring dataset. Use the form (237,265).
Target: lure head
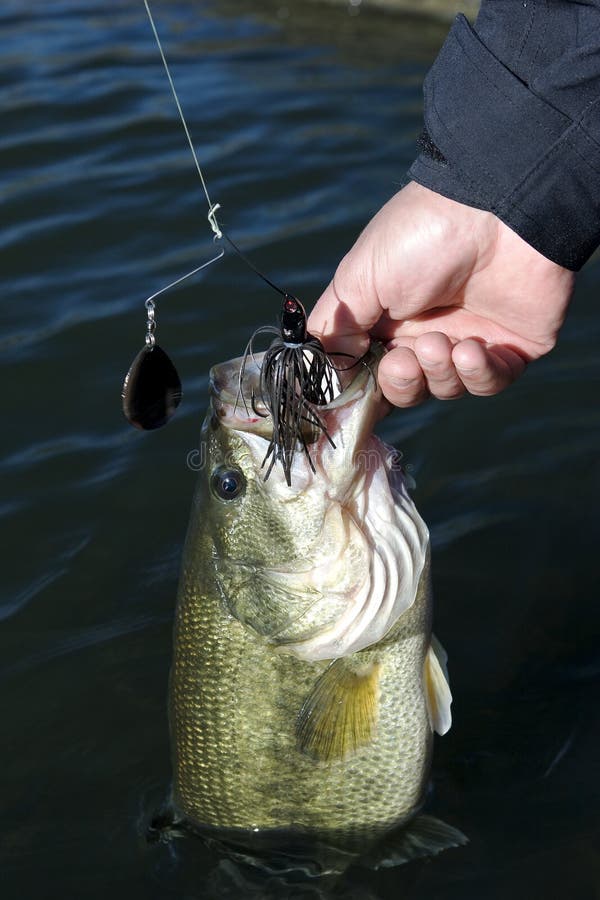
(293,321)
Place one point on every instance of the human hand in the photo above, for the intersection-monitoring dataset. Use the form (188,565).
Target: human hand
(461,301)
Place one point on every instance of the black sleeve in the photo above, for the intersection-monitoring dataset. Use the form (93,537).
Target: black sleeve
(512,121)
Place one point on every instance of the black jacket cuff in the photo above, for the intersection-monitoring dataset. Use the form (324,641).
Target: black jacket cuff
(508,151)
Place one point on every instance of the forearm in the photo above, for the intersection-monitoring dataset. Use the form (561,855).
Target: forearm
(513,106)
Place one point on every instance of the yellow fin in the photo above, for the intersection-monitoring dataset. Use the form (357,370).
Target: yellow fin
(340,713)
(437,689)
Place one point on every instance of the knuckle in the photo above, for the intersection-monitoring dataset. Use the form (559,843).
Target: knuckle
(452,394)
(443,377)
(405,393)
(407,402)
(488,384)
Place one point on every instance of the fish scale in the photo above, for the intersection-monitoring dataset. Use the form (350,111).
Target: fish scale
(234,705)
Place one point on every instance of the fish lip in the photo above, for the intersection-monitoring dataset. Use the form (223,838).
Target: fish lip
(237,411)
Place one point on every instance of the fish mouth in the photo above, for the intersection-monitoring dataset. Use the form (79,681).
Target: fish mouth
(236,398)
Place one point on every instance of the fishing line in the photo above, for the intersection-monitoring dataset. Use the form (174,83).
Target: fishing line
(255,270)
(212,207)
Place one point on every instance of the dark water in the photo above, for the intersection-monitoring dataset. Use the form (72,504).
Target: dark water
(305,121)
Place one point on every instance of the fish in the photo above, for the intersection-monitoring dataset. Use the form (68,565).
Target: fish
(306,684)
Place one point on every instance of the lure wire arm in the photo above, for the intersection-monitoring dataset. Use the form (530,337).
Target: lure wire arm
(177,281)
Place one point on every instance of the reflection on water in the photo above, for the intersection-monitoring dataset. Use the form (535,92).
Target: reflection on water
(306,123)
(301,863)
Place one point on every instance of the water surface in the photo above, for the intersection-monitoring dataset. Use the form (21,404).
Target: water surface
(305,122)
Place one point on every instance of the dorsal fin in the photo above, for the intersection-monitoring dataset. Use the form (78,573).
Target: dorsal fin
(340,713)
(437,689)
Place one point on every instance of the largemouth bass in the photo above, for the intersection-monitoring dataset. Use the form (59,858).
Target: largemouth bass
(306,684)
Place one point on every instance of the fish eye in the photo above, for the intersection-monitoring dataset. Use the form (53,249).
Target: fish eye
(227,483)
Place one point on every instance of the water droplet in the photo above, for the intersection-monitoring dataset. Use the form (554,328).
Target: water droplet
(151,390)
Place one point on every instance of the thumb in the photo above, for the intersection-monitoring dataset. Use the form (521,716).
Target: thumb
(349,306)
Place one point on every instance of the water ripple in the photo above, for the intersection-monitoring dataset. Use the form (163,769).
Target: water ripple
(81,640)
(22,598)
(305,126)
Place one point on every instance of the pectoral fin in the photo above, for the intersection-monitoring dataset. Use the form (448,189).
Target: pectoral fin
(437,689)
(340,713)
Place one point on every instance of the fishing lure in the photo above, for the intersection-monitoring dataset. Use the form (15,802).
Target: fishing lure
(296,373)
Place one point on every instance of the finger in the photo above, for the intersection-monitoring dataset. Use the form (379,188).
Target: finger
(401,378)
(350,306)
(434,353)
(486,370)
(343,320)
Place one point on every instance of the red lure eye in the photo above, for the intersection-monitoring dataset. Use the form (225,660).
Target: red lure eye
(293,321)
